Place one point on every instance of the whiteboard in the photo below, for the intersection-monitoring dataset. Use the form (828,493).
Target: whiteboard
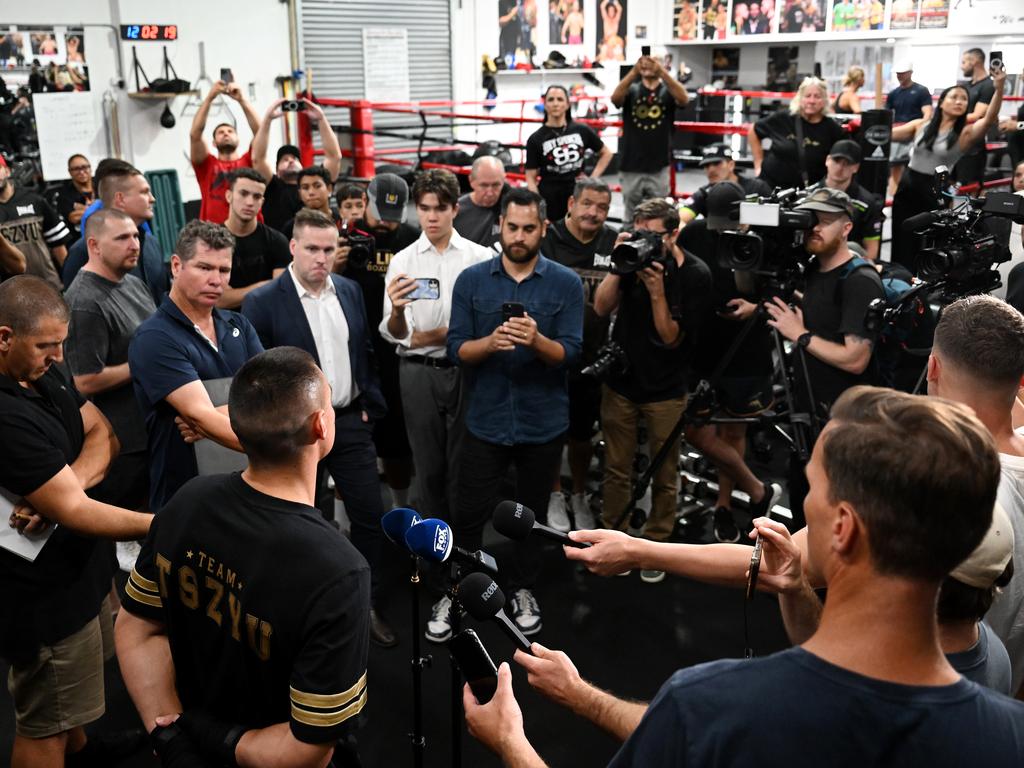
(69,123)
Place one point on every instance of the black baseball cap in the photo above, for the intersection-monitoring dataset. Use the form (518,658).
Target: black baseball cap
(715,153)
(846,149)
(289,149)
(827,200)
(388,195)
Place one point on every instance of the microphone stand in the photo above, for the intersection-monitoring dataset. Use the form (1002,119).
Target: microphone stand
(455,618)
(419,661)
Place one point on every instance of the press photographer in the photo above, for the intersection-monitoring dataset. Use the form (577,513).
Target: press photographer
(661,294)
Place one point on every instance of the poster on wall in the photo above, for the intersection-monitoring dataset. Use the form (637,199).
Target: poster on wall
(800,16)
(934,14)
(904,14)
(685,20)
(752,17)
(58,54)
(714,19)
(566,22)
(611,30)
(725,66)
(517,31)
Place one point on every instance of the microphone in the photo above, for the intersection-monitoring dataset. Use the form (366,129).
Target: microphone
(483,599)
(432,540)
(515,521)
(921,221)
(397,523)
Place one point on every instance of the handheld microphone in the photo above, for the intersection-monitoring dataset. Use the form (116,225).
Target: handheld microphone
(432,540)
(483,599)
(515,521)
(397,523)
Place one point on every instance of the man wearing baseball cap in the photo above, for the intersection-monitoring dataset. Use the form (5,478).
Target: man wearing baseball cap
(841,168)
(719,164)
(909,101)
(831,340)
(282,201)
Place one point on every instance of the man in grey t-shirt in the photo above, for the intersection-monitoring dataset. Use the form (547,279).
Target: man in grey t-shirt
(477,219)
(107,305)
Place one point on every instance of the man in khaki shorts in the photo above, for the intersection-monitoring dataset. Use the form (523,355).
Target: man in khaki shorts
(54,616)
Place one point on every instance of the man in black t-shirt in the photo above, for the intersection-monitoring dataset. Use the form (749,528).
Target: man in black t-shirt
(980,89)
(56,445)
(282,196)
(841,168)
(648,112)
(260,253)
(264,663)
(31,225)
(583,242)
(718,164)
(660,309)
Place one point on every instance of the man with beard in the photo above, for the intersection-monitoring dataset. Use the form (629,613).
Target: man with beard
(980,91)
(718,164)
(583,242)
(260,253)
(828,328)
(477,219)
(186,342)
(516,329)
(212,169)
(282,195)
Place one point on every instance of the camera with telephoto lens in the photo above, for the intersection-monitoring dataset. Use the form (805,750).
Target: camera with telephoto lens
(758,234)
(610,356)
(639,252)
(361,245)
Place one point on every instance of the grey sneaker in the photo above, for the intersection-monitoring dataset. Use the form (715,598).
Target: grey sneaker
(581,512)
(558,518)
(652,576)
(525,612)
(439,627)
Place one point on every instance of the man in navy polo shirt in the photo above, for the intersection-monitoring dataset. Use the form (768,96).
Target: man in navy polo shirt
(189,341)
(516,328)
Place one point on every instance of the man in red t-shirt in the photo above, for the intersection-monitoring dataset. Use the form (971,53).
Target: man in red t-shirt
(212,170)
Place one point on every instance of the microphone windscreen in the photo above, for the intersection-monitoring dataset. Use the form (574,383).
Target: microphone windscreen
(431,539)
(513,520)
(481,596)
(919,221)
(397,522)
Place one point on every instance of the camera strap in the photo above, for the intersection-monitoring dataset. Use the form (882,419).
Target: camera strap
(801,161)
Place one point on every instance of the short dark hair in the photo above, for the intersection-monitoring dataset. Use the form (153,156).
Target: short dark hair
(307,217)
(97,221)
(977,53)
(350,191)
(216,237)
(524,197)
(657,209)
(77,155)
(881,454)
(245,173)
(983,338)
(315,170)
(270,401)
(439,182)
(25,299)
(590,184)
(219,125)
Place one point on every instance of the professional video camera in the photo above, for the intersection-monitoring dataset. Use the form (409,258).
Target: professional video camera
(639,252)
(361,245)
(773,235)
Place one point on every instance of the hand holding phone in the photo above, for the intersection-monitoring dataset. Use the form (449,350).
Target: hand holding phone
(426,288)
(645,50)
(226,76)
(512,309)
(995,61)
(475,663)
(293,106)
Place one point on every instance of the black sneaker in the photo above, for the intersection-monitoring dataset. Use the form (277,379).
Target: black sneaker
(725,526)
(772,494)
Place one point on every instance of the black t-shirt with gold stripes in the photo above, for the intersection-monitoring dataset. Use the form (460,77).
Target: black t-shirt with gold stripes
(266,607)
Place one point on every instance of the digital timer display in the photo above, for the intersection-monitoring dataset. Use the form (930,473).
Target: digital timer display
(162,32)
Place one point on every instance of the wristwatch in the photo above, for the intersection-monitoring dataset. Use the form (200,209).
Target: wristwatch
(804,339)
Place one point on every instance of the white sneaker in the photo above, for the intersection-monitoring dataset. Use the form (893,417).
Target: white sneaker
(439,627)
(581,512)
(525,611)
(127,554)
(558,518)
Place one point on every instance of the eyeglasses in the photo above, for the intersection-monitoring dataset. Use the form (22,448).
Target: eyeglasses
(77,168)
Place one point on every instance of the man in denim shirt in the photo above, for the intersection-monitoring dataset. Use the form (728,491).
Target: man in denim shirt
(515,377)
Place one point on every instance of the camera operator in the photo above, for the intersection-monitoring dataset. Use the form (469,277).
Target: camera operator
(841,168)
(718,164)
(660,307)
(832,344)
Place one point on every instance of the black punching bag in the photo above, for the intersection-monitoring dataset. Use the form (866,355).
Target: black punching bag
(875,137)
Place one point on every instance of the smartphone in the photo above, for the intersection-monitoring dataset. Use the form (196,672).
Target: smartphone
(475,664)
(293,106)
(817,69)
(755,567)
(995,60)
(226,75)
(645,50)
(512,309)
(426,288)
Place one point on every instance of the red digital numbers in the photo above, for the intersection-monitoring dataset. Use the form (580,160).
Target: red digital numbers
(170,32)
(150,32)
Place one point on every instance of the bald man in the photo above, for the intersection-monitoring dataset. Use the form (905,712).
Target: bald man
(477,219)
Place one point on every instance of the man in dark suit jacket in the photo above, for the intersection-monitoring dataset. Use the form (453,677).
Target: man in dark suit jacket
(309,307)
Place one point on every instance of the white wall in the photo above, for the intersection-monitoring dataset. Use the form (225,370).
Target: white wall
(249,37)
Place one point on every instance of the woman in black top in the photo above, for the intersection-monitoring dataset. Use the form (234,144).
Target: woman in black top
(556,151)
(773,139)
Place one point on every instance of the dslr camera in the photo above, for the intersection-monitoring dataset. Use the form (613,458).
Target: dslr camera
(639,252)
(361,245)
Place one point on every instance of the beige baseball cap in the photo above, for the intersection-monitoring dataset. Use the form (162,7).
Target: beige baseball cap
(988,561)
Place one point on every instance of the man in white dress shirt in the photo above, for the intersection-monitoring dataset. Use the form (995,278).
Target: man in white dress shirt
(417,306)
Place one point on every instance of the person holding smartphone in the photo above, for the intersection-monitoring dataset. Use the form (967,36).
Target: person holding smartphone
(516,328)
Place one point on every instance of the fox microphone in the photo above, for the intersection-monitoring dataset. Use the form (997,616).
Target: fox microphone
(483,599)
(397,523)
(515,521)
(432,540)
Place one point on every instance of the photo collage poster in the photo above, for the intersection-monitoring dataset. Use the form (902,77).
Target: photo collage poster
(58,52)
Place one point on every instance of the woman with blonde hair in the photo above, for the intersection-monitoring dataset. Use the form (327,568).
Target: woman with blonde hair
(790,146)
(848,102)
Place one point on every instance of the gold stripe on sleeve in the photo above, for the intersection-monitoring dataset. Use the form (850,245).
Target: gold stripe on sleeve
(142,597)
(326,720)
(143,582)
(327,701)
